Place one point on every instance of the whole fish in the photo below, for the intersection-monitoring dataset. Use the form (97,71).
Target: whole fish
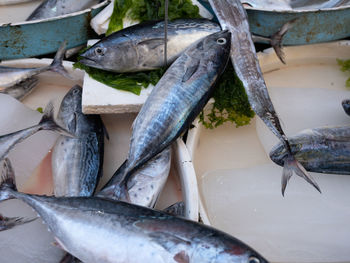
(53,8)
(232,16)
(10,76)
(173,104)
(321,150)
(22,89)
(346,106)
(77,162)
(96,230)
(47,122)
(145,185)
(141,47)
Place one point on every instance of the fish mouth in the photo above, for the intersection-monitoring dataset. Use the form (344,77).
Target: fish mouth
(89,62)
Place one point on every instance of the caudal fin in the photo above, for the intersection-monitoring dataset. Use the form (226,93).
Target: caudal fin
(7,180)
(277,38)
(56,64)
(292,165)
(7,223)
(48,122)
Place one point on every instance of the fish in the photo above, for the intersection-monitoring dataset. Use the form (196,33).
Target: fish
(7,223)
(54,8)
(320,150)
(141,47)
(10,76)
(22,89)
(173,104)
(233,17)
(346,106)
(146,183)
(47,122)
(294,4)
(77,162)
(99,230)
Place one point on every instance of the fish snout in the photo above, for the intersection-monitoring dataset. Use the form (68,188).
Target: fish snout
(346,106)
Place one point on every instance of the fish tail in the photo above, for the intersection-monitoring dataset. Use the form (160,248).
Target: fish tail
(7,181)
(277,38)
(48,122)
(57,65)
(292,165)
(7,223)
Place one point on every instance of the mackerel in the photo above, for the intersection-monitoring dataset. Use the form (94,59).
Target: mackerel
(97,230)
(233,17)
(171,107)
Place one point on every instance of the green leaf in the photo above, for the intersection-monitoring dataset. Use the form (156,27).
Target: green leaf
(345,66)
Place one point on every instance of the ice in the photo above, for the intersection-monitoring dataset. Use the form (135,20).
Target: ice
(304,226)
(301,108)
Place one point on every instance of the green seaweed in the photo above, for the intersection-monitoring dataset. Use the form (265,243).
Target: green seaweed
(40,109)
(231,103)
(132,82)
(145,10)
(345,66)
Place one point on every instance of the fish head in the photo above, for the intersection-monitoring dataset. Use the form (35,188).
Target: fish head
(217,49)
(113,53)
(346,106)
(70,105)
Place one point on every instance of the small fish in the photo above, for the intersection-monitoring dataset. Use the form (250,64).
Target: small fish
(77,162)
(22,89)
(346,106)
(47,122)
(141,47)
(321,150)
(11,76)
(145,185)
(53,8)
(246,65)
(173,104)
(97,230)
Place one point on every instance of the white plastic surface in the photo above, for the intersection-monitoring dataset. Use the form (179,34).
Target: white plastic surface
(239,185)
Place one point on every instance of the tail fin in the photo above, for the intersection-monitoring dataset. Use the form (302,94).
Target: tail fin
(7,180)
(56,64)
(48,122)
(292,165)
(277,38)
(7,223)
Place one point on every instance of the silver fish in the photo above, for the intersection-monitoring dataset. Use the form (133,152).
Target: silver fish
(147,182)
(53,8)
(232,16)
(321,150)
(77,162)
(22,89)
(141,47)
(346,106)
(97,230)
(172,105)
(47,122)
(10,76)
(294,4)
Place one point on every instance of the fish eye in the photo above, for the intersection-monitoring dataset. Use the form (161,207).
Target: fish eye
(76,91)
(99,51)
(221,41)
(253,260)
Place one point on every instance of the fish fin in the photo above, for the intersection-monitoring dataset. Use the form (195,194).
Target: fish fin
(191,69)
(68,258)
(48,122)
(7,180)
(177,209)
(152,43)
(7,223)
(292,165)
(277,38)
(56,64)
